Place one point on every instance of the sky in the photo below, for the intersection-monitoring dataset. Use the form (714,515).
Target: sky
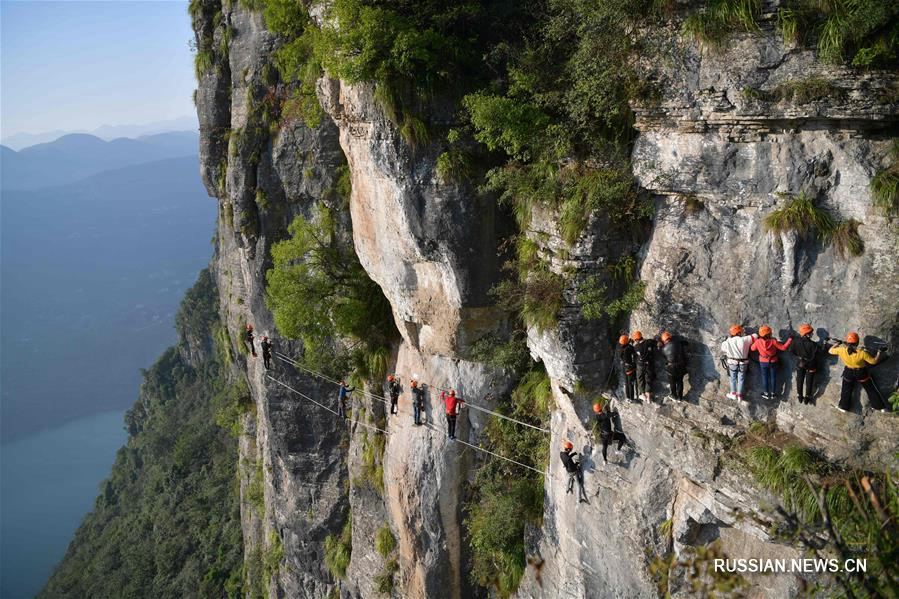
(77,65)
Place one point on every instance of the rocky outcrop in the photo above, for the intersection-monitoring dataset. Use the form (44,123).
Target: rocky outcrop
(715,157)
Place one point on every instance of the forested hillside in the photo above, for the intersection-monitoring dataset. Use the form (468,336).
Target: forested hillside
(167,520)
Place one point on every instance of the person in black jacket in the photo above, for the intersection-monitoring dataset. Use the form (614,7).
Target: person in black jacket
(248,340)
(643,349)
(806,351)
(605,420)
(573,466)
(393,387)
(628,360)
(418,401)
(675,363)
(266,347)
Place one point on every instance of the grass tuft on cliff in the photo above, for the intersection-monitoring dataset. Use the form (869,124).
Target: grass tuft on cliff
(177,456)
(803,217)
(713,23)
(339,549)
(885,184)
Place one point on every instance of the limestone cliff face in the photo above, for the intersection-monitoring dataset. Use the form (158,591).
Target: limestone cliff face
(432,248)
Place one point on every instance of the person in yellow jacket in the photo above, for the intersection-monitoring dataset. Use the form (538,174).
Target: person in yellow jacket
(856,363)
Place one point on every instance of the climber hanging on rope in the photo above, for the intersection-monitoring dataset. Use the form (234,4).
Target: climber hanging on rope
(736,358)
(571,462)
(266,347)
(605,419)
(807,352)
(643,349)
(393,387)
(628,360)
(418,402)
(675,363)
(248,340)
(453,407)
(856,361)
(342,397)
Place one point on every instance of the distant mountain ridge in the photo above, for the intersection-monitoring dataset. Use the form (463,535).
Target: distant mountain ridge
(79,155)
(19,141)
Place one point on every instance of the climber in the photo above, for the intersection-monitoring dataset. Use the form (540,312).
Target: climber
(856,361)
(675,363)
(393,386)
(248,340)
(643,350)
(628,361)
(266,347)
(806,351)
(736,352)
(342,397)
(768,348)
(605,419)
(453,406)
(573,466)
(418,401)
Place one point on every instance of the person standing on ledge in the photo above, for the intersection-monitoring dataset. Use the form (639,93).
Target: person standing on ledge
(643,350)
(675,363)
(248,340)
(736,357)
(768,348)
(628,360)
(418,401)
(453,405)
(393,387)
(856,361)
(266,347)
(807,353)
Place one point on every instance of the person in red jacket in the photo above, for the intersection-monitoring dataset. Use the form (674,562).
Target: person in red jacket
(768,347)
(453,405)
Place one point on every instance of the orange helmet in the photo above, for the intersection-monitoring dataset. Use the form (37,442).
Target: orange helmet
(637,336)
(597,407)
(736,329)
(805,329)
(249,327)
(264,338)
(852,337)
(666,336)
(568,445)
(390,377)
(764,331)
(623,340)
(414,383)
(453,392)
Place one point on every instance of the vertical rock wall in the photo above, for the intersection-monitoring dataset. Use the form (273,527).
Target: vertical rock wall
(432,248)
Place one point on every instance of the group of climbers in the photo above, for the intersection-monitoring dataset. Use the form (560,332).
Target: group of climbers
(265,345)
(636,355)
(807,353)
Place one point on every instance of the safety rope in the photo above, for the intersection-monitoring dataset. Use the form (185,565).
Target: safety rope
(301,394)
(289,360)
(386,401)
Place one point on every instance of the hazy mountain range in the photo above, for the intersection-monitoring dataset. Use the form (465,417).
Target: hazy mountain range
(79,155)
(93,270)
(18,141)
